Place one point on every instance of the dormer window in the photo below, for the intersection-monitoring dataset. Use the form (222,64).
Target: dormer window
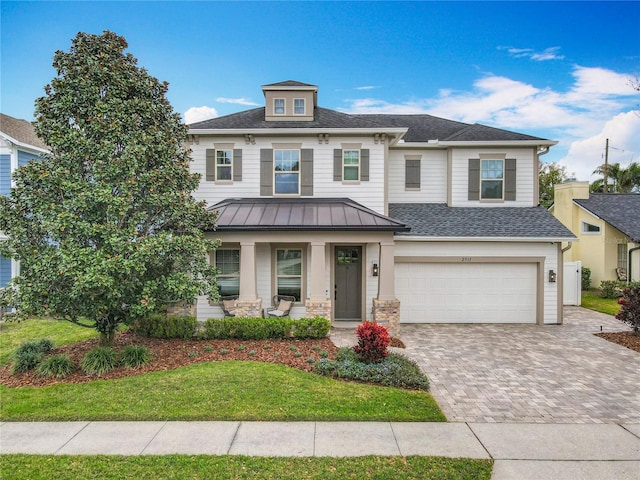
(278,106)
(298,106)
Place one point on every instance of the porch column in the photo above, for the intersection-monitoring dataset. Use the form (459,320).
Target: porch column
(386,278)
(247,271)
(317,303)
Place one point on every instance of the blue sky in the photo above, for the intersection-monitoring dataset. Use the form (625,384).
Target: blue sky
(559,70)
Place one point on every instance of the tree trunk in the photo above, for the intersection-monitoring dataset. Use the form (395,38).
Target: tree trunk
(106,338)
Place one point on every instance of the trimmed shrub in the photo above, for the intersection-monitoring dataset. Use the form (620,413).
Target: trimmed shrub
(133,356)
(99,361)
(56,366)
(160,325)
(630,308)
(373,340)
(311,327)
(586,278)
(394,371)
(257,328)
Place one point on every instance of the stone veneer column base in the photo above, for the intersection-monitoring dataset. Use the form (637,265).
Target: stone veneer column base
(387,312)
(249,308)
(182,309)
(318,308)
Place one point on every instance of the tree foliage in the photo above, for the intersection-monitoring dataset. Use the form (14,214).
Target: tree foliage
(619,179)
(550,174)
(105,225)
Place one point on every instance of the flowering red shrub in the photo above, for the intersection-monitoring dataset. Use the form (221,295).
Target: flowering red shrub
(373,340)
(630,307)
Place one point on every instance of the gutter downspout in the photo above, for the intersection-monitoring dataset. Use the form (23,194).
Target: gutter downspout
(629,277)
(540,151)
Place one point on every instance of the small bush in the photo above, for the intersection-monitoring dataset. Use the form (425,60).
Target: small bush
(223,351)
(611,288)
(99,361)
(43,345)
(56,366)
(324,354)
(586,278)
(313,327)
(630,308)
(208,348)
(394,371)
(257,328)
(373,340)
(133,356)
(162,326)
(251,353)
(26,361)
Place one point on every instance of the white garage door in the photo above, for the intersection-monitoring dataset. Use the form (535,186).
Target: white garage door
(466,292)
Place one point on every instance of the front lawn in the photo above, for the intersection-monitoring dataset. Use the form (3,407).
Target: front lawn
(196,467)
(592,300)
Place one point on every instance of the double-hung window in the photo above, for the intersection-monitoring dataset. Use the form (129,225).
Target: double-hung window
(298,106)
(491,179)
(289,272)
(224,164)
(278,106)
(228,265)
(351,165)
(286,164)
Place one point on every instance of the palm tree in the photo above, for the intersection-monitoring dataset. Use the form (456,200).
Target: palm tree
(623,180)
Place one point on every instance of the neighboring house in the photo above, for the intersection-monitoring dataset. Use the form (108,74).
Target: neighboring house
(408,218)
(18,145)
(608,226)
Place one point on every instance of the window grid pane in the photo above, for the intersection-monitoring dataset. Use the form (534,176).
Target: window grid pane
(492,175)
(289,272)
(228,265)
(287,166)
(298,106)
(622,255)
(278,106)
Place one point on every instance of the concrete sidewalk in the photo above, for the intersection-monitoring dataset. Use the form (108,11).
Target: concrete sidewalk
(522,451)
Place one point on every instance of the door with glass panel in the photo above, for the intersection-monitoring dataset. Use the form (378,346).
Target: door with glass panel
(348,283)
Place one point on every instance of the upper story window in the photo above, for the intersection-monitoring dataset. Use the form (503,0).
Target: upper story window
(286,165)
(491,179)
(224,164)
(590,228)
(298,106)
(228,265)
(351,165)
(278,106)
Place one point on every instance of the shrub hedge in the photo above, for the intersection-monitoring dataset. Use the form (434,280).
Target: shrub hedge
(163,326)
(614,288)
(257,328)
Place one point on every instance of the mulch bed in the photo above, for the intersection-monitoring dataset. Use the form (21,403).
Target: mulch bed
(626,339)
(168,354)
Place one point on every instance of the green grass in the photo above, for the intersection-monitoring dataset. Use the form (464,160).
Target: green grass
(41,467)
(592,300)
(219,391)
(12,334)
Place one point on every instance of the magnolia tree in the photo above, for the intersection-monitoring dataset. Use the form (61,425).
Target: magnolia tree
(105,226)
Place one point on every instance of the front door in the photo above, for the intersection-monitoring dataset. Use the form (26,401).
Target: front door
(348,284)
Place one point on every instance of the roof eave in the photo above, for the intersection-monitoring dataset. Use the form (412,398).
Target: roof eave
(480,143)
(417,238)
(20,144)
(289,131)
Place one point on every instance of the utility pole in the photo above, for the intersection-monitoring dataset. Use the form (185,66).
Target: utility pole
(606,166)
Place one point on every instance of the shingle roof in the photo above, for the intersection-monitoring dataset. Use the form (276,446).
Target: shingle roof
(439,220)
(309,214)
(20,130)
(289,83)
(620,210)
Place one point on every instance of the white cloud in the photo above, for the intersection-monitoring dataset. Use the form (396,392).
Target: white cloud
(366,87)
(236,101)
(550,53)
(197,114)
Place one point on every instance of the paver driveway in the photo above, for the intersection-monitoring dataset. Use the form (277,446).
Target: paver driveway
(527,373)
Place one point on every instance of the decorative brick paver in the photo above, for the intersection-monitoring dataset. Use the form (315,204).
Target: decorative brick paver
(526,373)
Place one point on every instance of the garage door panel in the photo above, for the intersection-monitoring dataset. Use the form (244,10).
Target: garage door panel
(467,293)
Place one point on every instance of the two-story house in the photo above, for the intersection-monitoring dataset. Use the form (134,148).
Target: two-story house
(399,218)
(18,145)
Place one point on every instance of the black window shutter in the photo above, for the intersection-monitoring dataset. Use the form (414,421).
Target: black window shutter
(266,172)
(306,172)
(364,165)
(510,179)
(210,175)
(412,174)
(337,165)
(237,165)
(474,179)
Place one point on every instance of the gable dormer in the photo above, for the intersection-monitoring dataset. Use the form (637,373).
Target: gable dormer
(290,101)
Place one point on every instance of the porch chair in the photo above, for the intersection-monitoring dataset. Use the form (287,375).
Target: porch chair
(622,274)
(282,306)
(228,305)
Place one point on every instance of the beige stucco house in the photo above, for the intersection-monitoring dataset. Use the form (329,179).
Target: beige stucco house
(608,228)
(406,218)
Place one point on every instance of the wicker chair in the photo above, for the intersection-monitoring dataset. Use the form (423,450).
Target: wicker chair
(282,306)
(227,304)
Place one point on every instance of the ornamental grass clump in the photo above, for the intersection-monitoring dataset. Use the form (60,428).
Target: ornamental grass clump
(29,355)
(99,361)
(373,340)
(133,356)
(56,366)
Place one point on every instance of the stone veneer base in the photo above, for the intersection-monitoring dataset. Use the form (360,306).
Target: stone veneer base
(387,312)
(318,308)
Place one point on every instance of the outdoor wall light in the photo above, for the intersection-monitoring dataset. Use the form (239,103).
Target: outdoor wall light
(553,276)
(375,270)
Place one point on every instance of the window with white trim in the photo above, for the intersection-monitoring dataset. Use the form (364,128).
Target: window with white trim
(224,164)
(278,106)
(491,179)
(289,272)
(623,256)
(590,228)
(350,165)
(298,106)
(286,175)
(228,266)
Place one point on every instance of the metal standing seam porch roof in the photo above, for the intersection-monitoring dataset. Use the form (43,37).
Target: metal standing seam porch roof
(300,214)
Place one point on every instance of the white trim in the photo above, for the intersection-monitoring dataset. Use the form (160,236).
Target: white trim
(304,106)
(284,106)
(23,145)
(483,143)
(486,239)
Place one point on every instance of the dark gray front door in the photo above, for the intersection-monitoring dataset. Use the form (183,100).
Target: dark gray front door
(348,286)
